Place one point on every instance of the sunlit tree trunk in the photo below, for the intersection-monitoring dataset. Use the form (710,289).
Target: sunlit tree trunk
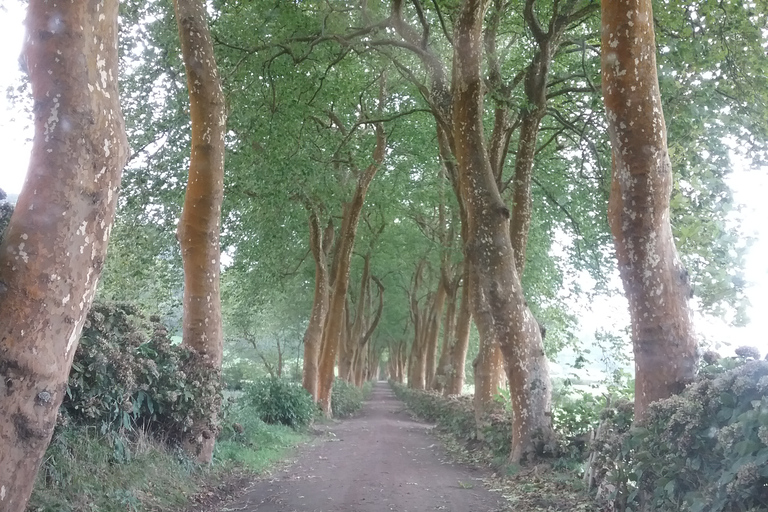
(54,247)
(496,295)
(654,279)
(320,242)
(198,229)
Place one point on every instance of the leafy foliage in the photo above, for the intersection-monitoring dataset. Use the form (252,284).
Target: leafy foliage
(577,412)
(456,414)
(281,401)
(6,210)
(121,377)
(81,472)
(705,449)
(346,398)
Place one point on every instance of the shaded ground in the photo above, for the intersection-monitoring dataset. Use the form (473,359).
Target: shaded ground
(379,461)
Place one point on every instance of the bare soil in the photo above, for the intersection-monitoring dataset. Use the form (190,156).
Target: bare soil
(380,461)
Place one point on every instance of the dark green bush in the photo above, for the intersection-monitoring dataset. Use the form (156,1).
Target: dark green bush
(122,377)
(703,450)
(281,401)
(346,399)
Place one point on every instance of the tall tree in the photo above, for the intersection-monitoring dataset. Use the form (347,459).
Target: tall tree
(346,240)
(496,296)
(655,281)
(54,247)
(199,225)
(320,242)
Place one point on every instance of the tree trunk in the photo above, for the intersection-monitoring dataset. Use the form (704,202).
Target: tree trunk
(347,363)
(440,381)
(461,344)
(55,244)
(496,296)
(654,279)
(416,361)
(364,348)
(489,369)
(432,332)
(320,243)
(335,324)
(198,229)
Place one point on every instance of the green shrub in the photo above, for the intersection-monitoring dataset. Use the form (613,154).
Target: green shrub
(346,399)
(576,414)
(281,401)
(705,449)
(122,377)
(248,441)
(456,414)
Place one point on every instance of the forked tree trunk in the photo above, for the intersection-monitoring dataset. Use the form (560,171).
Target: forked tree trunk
(496,295)
(320,243)
(198,229)
(54,247)
(654,279)
(335,324)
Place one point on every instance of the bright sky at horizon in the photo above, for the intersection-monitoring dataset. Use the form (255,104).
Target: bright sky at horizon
(750,189)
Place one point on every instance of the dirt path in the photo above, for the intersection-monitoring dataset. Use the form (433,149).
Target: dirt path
(379,461)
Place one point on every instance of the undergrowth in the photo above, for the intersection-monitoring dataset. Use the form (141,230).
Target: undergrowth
(550,486)
(347,399)
(85,470)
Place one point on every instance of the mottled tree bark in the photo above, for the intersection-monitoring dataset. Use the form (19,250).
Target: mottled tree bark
(55,244)
(199,225)
(496,295)
(320,243)
(654,279)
